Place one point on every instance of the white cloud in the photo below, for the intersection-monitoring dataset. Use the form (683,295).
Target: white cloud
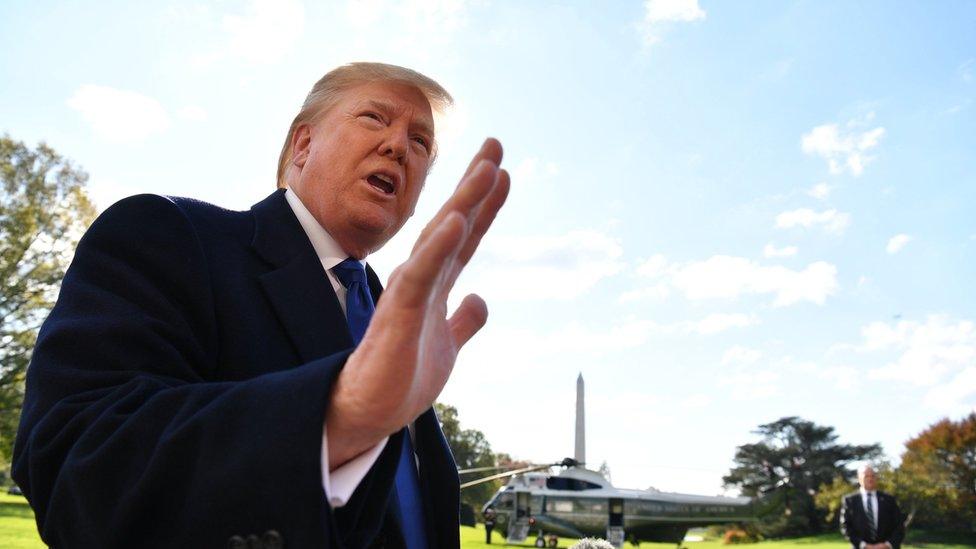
(820,191)
(958,107)
(831,221)
(545,267)
(577,338)
(656,292)
(119,115)
(418,15)
(574,338)
(533,170)
(720,322)
(955,397)
(656,265)
(769,250)
(939,353)
(697,400)
(927,351)
(192,113)
(965,70)
(844,149)
(658,13)
(751,385)
(741,355)
(265,33)
(421,25)
(844,378)
(897,242)
(728,277)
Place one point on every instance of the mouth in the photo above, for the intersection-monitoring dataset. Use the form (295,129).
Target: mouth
(384,183)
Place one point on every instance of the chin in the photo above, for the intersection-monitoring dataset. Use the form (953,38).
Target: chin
(377,231)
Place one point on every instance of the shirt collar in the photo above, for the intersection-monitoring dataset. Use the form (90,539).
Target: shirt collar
(326,248)
(866,493)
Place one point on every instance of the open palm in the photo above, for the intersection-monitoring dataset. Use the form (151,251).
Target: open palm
(410,347)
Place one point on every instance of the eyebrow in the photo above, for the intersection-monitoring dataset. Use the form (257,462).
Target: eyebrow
(388,109)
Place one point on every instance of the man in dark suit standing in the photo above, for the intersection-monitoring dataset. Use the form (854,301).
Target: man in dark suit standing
(211,378)
(869,518)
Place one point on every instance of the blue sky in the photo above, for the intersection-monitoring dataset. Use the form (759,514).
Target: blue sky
(722,212)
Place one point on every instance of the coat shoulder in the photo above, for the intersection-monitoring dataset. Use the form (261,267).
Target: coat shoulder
(885,496)
(154,210)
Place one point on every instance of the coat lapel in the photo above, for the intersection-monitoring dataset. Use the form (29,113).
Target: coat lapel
(297,286)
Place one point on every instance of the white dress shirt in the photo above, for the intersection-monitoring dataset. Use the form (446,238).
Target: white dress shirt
(342,482)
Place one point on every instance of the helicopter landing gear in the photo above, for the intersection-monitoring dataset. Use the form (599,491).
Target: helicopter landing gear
(552,540)
(540,541)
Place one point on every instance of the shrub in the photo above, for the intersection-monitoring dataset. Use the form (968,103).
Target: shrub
(739,535)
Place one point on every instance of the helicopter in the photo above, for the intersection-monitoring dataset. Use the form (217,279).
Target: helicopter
(578,502)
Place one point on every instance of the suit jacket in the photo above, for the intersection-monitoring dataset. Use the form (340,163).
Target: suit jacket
(854,520)
(177,391)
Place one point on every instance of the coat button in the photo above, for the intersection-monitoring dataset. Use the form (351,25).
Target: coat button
(273,540)
(236,542)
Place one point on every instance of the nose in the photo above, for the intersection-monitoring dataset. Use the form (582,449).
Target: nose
(395,144)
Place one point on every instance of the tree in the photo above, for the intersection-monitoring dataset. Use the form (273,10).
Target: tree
(937,475)
(43,212)
(471,450)
(784,470)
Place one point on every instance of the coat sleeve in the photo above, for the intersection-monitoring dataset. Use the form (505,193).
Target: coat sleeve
(125,440)
(847,526)
(898,519)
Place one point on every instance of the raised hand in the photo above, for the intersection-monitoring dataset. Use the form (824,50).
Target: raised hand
(409,350)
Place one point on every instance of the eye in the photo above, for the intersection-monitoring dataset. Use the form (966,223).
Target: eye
(372,115)
(422,141)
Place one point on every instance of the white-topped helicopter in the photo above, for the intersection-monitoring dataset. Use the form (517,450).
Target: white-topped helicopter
(578,502)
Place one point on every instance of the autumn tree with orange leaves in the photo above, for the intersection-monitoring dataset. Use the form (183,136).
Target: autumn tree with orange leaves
(937,475)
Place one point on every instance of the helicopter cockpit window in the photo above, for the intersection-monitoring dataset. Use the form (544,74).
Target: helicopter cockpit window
(564,483)
(504,501)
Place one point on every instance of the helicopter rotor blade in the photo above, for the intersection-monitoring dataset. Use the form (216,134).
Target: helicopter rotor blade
(504,475)
(480,469)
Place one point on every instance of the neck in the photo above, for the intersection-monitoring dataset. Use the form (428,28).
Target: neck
(355,242)
(354,245)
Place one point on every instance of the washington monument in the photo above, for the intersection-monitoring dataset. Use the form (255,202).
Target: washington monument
(580,455)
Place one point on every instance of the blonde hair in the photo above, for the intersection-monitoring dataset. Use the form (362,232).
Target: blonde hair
(328,90)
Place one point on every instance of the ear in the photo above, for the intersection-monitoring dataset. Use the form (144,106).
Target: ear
(301,141)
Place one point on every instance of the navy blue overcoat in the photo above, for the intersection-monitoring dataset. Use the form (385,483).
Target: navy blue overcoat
(177,391)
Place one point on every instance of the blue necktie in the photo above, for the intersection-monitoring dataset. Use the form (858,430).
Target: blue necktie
(359,309)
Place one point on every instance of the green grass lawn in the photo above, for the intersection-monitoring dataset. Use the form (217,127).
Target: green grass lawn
(18,531)
(17,527)
(474,538)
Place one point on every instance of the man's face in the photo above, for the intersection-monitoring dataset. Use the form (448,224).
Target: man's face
(866,478)
(363,164)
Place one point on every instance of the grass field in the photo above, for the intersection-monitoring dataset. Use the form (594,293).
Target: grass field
(17,528)
(474,538)
(18,531)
